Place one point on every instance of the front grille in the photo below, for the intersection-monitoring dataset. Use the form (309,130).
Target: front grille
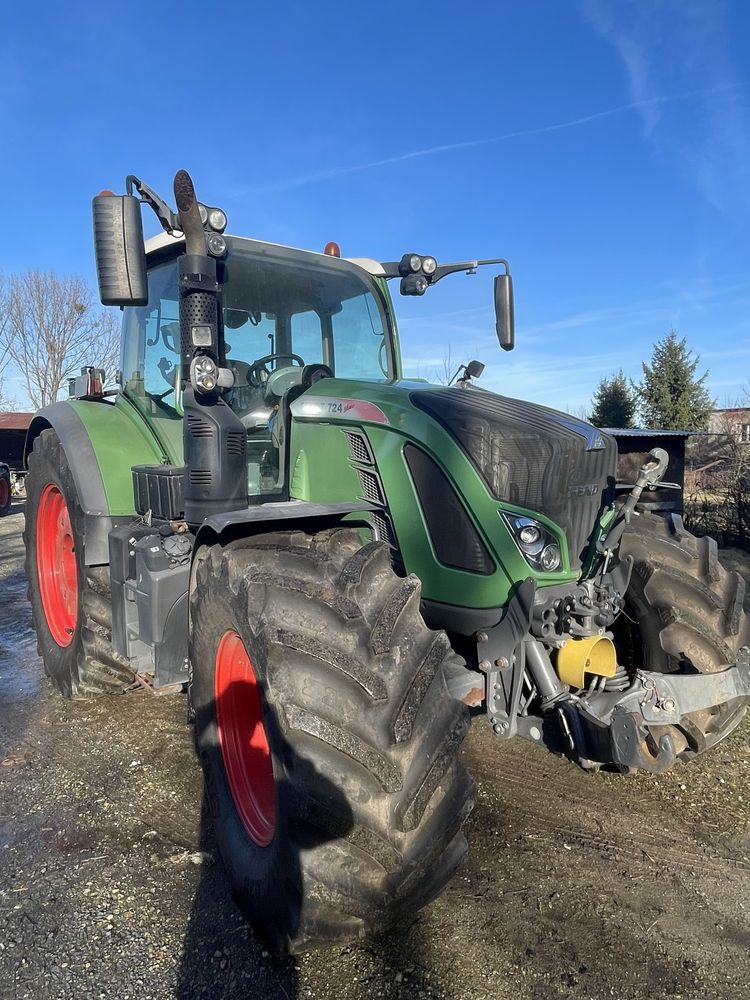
(371,489)
(531,456)
(384,528)
(359,448)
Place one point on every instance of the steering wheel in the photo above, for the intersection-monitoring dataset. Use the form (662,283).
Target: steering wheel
(258,372)
(169,334)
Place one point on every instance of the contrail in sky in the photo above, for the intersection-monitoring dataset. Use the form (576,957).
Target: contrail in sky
(324,175)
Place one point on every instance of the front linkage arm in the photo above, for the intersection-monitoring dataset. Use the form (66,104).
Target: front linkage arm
(628,729)
(658,700)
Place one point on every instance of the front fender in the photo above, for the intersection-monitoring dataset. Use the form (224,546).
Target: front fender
(102,442)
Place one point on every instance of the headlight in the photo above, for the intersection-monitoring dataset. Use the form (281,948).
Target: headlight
(529,534)
(429,265)
(550,558)
(537,544)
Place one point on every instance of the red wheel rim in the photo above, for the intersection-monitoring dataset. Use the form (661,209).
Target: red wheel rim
(243,740)
(4,492)
(56,565)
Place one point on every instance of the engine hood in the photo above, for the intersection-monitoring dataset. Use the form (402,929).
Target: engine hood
(531,456)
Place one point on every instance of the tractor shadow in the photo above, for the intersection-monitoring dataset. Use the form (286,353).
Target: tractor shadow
(222,956)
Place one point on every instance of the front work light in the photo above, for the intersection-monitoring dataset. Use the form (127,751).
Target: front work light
(414,284)
(410,263)
(217,220)
(204,373)
(216,244)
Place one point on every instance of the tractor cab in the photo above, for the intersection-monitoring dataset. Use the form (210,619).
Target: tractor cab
(289,318)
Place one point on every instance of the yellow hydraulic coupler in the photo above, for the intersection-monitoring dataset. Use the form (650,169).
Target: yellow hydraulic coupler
(592,655)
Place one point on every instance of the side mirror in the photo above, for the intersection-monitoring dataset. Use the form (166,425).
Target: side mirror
(474,369)
(119,249)
(504,318)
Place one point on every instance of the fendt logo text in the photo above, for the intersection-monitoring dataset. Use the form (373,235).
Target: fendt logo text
(588,490)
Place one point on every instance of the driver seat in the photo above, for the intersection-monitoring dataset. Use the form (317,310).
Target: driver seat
(282,388)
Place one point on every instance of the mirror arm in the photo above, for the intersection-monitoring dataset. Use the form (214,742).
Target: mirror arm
(391,268)
(148,196)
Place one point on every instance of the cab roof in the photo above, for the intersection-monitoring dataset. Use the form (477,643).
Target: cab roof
(163,240)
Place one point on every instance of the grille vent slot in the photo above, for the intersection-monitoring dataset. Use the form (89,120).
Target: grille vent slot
(200,477)
(236,443)
(359,448)
(371,489)
(384,528)
(199,428)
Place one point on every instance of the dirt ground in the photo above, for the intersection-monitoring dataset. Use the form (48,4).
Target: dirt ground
(576,885)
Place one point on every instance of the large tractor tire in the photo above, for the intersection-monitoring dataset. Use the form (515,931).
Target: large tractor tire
(683,612)
(70,602)
(5,491)
(328,740)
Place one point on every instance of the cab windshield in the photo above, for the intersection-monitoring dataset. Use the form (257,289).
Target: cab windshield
(325,310)
(281,308)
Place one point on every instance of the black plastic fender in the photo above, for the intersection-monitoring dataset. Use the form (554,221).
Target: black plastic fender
(282,516)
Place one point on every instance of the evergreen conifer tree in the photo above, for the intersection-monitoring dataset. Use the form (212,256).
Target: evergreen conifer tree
(614,404)
(670,395)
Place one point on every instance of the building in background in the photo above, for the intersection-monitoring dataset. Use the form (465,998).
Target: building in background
(734,420)
(633,447)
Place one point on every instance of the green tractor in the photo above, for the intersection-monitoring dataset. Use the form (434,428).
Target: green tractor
(338,564)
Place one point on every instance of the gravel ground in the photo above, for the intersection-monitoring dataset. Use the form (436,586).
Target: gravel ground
(576,885)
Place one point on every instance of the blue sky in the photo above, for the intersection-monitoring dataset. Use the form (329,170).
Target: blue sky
(603,146)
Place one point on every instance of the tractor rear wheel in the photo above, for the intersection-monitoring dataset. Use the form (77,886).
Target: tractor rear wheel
(328,740)
(70,602)
(5,490)
(683,611)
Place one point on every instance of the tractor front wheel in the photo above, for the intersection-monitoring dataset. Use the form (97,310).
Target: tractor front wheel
(328,739)
(683,613)
(70,601)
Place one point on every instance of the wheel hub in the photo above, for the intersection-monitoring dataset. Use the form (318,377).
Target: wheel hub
(243,740)
(56,565)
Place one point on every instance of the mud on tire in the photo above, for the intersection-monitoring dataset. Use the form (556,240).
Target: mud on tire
(364,740)
(87,664)
(684,611)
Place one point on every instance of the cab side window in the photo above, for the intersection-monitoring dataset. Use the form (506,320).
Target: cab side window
(151,351)
(307,337)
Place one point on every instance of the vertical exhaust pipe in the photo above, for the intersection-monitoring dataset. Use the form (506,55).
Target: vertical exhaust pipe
(214,437)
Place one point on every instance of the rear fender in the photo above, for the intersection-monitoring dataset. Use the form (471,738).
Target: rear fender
(101,442)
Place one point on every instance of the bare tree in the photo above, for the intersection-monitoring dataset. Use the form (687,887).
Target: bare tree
(717,485)
(6,402)
(53,327)
(442,375)
(582,412)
